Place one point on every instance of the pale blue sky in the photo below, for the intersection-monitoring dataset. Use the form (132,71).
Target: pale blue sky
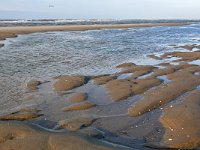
(102,9)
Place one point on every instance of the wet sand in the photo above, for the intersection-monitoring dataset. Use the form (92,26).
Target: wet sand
(140,107)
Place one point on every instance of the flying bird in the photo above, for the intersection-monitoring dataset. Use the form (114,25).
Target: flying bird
(51,6)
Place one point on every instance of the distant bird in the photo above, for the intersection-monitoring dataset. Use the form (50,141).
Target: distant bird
(51,6)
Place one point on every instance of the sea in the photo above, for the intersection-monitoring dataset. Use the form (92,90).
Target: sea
(92,52)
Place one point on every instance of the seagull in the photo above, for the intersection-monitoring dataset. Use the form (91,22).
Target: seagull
(51,6)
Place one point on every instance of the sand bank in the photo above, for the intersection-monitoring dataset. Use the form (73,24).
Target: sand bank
(6,32)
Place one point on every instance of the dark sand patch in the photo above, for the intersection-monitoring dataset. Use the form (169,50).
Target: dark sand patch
(129,131)
(1,45)
(76,123)
(92,132)
(15,136)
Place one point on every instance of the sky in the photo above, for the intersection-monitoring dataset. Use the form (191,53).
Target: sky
(100,9)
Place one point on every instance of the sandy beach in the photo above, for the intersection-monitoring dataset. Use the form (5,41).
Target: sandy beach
(140,107)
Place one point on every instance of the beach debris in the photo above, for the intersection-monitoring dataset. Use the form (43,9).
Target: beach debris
(33,84)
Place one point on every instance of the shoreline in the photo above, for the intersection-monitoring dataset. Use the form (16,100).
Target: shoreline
(151,99)
(9,32)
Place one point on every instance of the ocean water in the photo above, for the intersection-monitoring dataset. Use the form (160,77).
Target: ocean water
(83,22)
(45,55)
(88,52)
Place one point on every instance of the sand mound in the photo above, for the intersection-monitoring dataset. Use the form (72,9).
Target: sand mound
(78,97)
(181,123)
(125,65)
(79,106)
(186,56)
(23,114)
(65,83)
(119,89)
(104,79)
(141,86)
(162,94)
(123,88)
(139,73)
(164,71)
(137,68)
(5,35)
(188,47)
(170,69)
